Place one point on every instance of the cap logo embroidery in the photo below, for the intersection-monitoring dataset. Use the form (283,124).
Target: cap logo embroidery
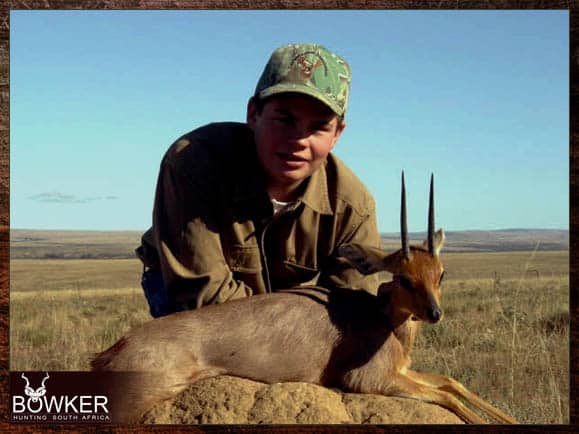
(307,65)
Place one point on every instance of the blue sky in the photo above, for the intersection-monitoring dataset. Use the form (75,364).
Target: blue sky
(480,98)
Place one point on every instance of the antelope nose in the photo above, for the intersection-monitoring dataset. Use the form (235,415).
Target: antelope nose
(434,315)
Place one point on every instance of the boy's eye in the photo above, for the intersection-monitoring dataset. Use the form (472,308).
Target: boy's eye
(322,127)
(284,120)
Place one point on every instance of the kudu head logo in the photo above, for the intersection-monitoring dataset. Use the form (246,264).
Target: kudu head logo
(35,394)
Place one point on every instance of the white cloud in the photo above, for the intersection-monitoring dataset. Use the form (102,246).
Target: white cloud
(58,197)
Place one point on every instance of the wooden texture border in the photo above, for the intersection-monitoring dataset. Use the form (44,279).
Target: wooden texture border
(283,4)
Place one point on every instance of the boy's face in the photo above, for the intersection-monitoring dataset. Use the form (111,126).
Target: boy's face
(294,134)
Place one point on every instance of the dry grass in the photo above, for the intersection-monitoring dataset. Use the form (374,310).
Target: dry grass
(506,340)
(79,274)
(505,334)
(506,265)
(62,330)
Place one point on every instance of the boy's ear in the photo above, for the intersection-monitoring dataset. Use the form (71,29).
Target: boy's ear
(339,129)
(251,112)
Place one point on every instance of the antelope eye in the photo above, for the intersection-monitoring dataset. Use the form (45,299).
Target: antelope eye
(441,278)
(406,284)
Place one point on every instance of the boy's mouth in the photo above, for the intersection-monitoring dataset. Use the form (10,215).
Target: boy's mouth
(291,160)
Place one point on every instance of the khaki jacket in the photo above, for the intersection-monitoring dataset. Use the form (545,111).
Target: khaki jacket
(214,235)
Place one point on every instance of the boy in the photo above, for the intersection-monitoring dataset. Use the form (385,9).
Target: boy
(243,209)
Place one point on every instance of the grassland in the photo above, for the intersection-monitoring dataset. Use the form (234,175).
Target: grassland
(505,333)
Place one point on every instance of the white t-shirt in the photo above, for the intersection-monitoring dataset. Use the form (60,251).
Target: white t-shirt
(278,205)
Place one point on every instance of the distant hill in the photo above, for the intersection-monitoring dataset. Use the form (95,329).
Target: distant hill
(45,244)
(503,240)
(41,244)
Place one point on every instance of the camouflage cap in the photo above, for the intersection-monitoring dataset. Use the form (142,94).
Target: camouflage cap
(309,69)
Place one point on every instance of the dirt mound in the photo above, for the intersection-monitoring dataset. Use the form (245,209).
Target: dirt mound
(231,400)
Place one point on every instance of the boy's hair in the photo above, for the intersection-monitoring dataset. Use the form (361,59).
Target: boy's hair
(261,102)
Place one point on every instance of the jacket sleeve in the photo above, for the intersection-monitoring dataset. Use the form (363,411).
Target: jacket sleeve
(186,235)
(336,272)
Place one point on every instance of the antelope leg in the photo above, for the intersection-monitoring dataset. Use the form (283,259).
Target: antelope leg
(457,389)
(406,387)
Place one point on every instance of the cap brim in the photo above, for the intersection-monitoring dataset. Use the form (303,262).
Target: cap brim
(296,88)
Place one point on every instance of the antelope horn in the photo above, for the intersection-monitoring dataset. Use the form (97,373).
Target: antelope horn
(45,378)
(27,382)
(403,225)
(431,217)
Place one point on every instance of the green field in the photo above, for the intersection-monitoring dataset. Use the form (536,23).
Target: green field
(505,333)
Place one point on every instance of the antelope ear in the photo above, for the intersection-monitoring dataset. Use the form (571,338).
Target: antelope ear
(439,238)
(366,259)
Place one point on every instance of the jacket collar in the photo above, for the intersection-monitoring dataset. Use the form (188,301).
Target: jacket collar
(316,194)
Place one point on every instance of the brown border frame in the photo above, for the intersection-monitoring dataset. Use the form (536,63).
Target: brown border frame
(284,4)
